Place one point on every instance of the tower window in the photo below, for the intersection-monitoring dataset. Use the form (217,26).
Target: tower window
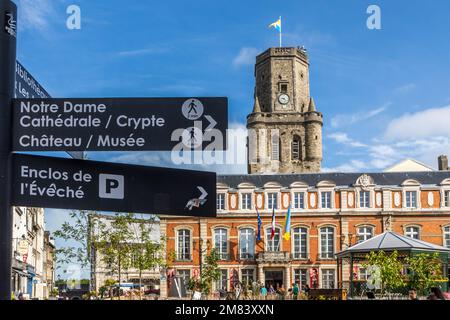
(283,87)
(275,147)
(296,148)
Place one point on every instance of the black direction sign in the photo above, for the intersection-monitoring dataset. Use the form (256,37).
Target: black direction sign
(91,185)
(26,86)
(120,124)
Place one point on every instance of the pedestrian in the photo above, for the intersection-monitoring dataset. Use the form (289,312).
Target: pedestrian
(282,292)
(295,290)
(412,294)
(436,294)
(263,292)
(306,288)
(271,292)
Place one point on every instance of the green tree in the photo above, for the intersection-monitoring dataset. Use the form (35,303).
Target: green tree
(425,270)
(390,268)
(210,273)
(146,253)
(114,245)
(77,234)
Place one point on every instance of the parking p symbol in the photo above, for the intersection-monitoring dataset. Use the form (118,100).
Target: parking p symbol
(111,186)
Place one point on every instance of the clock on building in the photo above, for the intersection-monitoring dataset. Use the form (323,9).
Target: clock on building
(283,98)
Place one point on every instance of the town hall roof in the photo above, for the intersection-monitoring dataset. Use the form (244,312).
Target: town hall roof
(338,179)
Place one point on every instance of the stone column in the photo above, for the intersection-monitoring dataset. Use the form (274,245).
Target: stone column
(163,276)
(345,266)
(261,274)
(386,200)
(343,200)
(287,278)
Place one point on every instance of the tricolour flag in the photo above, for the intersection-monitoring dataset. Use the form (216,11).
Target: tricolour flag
(276,25)
(258,237)
(272,233)
(287,224)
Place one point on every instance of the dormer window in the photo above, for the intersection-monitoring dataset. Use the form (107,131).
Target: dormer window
(447,198)
(411,199)
(364,199)
(326,199)
(221,201)
(272,200)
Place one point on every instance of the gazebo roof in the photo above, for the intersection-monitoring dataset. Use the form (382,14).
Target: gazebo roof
(390,241)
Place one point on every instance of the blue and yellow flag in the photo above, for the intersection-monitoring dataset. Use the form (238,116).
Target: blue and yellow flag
(287,225)
(276,25)
(258,237)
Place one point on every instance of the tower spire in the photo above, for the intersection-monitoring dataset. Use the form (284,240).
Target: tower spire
(312,105)
(256,106)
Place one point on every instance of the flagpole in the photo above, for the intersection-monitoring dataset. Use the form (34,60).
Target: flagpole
(280,31)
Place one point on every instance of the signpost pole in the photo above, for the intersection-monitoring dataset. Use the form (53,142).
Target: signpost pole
(8,23)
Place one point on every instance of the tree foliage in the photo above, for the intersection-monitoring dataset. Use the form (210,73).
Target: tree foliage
(390,269)
(77,234)
(210,273)
(425,270)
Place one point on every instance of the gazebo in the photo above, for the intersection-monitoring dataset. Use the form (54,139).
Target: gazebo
(388,242)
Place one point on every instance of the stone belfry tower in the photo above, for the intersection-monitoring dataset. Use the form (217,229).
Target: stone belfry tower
(285,128)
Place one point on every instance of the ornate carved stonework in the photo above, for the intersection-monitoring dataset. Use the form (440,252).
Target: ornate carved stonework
(378,199)
(387,223)
(234,201)
(285,200)
(313,200)
(397,199)
(364,181)
(430,199)
(351,199)
(259,200)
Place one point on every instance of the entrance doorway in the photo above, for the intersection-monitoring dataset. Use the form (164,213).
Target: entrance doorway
(274,278)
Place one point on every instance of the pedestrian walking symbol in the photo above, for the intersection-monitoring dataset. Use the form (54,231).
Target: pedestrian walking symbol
(192,137)
(192,109)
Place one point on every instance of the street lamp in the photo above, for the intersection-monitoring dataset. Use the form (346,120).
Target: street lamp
(350,237)
(201,252)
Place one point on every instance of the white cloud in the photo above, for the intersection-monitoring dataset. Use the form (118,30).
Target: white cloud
(35,14)
(423,124)
(342,138)
(246,56)
(348,119)
(407,88)
(143,51)
(422,136)
(352,166)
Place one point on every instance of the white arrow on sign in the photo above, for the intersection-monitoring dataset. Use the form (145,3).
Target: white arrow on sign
(199,201)
(203,191)
(212,122)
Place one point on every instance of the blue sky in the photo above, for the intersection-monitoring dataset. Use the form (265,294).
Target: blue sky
(384,93)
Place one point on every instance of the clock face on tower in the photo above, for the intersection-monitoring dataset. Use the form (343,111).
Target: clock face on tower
(283,98)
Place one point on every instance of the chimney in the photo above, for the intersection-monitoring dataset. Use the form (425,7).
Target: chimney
(443,163)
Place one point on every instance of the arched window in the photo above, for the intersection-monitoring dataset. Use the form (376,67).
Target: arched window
(300,243)
(296,145)
(447,237)
(246,244)
(221,242)
(184,244)
(412,232)
(364,233)
(327,243)
(273,244)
